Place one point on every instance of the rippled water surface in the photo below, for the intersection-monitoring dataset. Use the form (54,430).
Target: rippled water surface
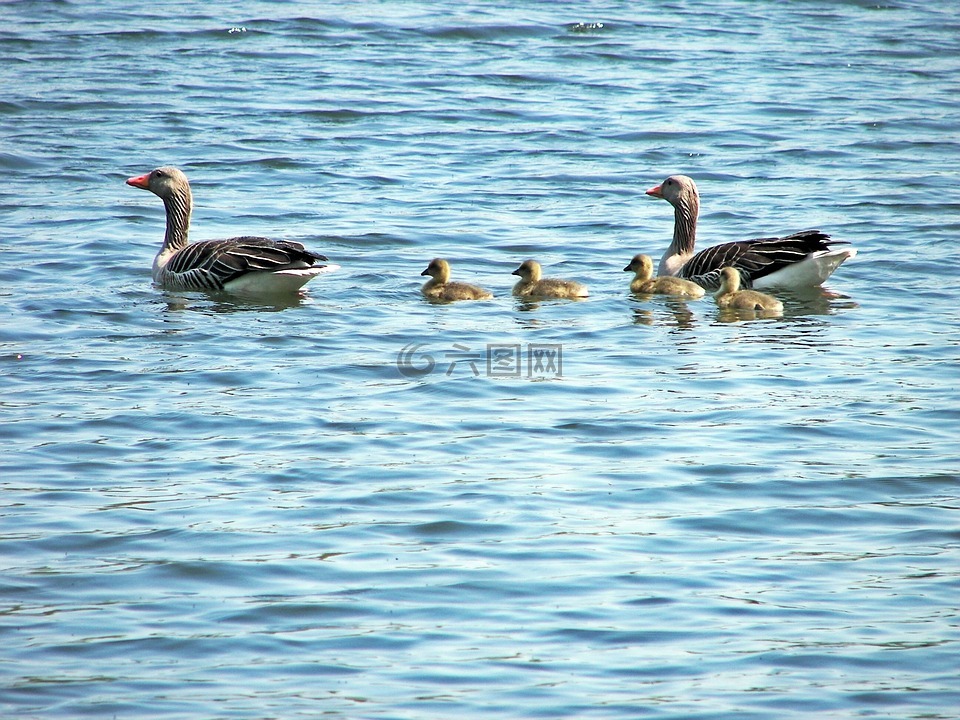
(358,504)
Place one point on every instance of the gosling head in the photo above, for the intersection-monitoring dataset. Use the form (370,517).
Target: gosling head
(642,265)
(438,269)
(729,279)
(529,271)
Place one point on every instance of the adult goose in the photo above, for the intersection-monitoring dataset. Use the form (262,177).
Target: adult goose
(238,265)
(804,259)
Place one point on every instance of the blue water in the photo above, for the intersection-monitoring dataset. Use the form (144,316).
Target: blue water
(616,508)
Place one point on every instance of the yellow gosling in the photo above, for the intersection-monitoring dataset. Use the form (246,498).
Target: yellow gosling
(532,287)
(731,296)
(644,282)
(439,287)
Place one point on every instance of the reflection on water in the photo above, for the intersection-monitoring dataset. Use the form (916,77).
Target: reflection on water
(219,303)
(685,314)
(670,310)
(534,305)
(727,315)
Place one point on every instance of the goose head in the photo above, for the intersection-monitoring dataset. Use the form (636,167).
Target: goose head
(676,190)
(163,182)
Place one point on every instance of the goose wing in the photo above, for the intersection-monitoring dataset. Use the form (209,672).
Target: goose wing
(212,263)
(753,258)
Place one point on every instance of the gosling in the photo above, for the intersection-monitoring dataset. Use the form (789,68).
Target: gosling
(439,287)
(644,282)
(731,296)
(531,287)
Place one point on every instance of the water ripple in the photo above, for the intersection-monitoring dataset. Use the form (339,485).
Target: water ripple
(217,506)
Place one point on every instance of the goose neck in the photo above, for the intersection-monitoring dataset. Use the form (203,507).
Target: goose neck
(685,213)
(178,206)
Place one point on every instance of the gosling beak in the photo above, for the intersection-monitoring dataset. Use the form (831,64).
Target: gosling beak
(516,272)
(656,191)
(628,268)
(426,272)
(141,181)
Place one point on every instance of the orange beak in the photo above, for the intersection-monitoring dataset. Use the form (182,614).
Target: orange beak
(141,181)
(654,191)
